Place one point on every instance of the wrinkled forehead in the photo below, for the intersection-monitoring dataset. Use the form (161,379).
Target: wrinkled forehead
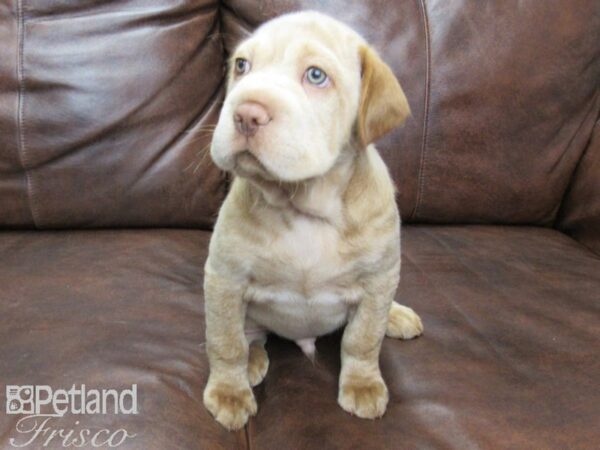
(302,35)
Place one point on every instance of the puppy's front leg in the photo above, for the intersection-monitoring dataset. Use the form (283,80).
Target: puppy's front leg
(362,390)
(227,395)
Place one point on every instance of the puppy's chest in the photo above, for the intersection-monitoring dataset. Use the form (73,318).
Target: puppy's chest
(306,261)
(301,285)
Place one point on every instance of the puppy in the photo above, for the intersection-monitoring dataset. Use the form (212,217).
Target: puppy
(308,238)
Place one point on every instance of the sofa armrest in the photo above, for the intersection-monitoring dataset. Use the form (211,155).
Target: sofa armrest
(579,215)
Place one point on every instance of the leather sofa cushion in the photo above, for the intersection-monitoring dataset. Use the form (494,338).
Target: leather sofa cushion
(103,113)
(509,358)
(109,309)
(580,212)
(103,106)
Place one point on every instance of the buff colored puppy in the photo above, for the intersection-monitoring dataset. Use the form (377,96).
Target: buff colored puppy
(308,239)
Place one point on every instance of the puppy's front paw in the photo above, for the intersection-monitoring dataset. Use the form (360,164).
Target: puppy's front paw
(258,364)
(230,405)
(365,397)
(403,322)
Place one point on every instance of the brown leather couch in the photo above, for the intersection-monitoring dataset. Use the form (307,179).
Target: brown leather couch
(107,198)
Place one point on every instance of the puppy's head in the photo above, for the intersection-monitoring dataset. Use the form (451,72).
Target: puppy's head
(301,89)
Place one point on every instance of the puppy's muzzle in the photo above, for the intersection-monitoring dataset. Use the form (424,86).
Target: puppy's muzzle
(249,117)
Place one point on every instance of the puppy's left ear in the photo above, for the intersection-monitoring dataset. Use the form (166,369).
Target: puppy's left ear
(383,105)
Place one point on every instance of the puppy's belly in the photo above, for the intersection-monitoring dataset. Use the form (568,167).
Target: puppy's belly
(296,316)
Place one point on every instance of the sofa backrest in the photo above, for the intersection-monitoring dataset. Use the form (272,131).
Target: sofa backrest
(579,215)
(105,105)
(103,110)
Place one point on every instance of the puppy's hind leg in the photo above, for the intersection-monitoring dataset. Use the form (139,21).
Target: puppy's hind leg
(258,363)
(403,322)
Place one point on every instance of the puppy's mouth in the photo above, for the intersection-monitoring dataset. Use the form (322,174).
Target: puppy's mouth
(249,166)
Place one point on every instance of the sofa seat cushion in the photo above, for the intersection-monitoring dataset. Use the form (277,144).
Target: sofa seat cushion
(109,309)
(509,359)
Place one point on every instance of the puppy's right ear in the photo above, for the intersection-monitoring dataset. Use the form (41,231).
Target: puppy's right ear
(383,105)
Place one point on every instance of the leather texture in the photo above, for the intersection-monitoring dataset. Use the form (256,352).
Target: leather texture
(14,208)
(109,309)
(105,109)
(510,356)
(580,214)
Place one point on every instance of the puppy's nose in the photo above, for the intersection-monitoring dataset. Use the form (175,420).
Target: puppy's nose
(249,116)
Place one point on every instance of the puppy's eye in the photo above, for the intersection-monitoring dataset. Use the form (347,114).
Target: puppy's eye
(316,76)
(241,66)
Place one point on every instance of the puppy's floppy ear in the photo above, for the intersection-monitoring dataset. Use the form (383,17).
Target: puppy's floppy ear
(383,105)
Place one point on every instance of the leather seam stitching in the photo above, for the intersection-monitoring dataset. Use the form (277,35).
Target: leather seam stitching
(21,143)
(423,161)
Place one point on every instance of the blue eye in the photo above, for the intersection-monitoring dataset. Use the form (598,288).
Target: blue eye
(241,66)
(316,76)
